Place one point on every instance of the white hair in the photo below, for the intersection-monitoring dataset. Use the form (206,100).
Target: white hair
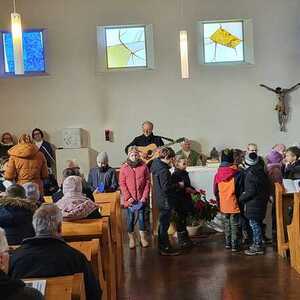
(3,241)
(47,219)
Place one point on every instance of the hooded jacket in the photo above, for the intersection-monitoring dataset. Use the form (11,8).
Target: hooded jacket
(16,218)
(256,193)
(164,188)
(26,164)
(227,188)
(74,205)
(134,182)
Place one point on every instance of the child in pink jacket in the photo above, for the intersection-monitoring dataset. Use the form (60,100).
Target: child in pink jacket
(134,180)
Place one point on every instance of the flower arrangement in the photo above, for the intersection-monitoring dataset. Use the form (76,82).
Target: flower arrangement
(203,210)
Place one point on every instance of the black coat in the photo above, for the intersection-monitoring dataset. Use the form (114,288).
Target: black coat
(3,150)
(14,289)
(184,201)
(164,188)
(142,141)
(48,152)
(256,193)
(16,219)
(48,257)
(292,171)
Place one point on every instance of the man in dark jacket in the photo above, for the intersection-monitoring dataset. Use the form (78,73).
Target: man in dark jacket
(164,193)
(255,198)
(103,177)
(47,255)
(146,138)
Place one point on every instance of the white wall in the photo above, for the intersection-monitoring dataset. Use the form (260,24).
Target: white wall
(218,106)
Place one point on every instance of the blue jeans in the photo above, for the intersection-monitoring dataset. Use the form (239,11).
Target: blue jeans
(134,217)
(164,223)
(256,231)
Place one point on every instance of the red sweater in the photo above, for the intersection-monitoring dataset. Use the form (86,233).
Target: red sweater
(134,182)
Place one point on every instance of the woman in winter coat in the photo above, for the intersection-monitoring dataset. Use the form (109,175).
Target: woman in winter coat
(134,182)
(74,205)
(26,163)
(16,214)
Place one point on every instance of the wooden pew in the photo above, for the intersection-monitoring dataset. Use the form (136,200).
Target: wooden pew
(110,206)
(83,230)
(281,201)
(294,234)
(64,287)
(91,250)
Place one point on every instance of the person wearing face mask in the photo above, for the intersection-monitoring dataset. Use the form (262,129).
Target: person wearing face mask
(146,138)
(135,188)
(12,289)
(103,178)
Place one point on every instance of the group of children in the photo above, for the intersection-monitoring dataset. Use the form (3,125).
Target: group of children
(243,189)
(243,185)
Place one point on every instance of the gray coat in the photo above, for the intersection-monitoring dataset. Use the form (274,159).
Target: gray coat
(109,178)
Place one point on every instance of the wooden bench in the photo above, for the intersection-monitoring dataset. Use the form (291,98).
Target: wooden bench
(91,250)
(84,230)
(64,287)
(294,234)
(282,200)
(110,206)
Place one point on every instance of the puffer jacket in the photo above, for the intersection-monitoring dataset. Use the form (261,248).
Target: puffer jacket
(16,218)
(26,164)
(134,182)
(256,193)
(165,189)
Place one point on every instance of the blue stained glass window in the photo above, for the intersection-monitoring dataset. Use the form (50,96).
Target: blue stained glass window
(33,51)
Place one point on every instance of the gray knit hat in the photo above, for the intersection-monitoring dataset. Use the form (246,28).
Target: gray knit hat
(102,157)
(251,159)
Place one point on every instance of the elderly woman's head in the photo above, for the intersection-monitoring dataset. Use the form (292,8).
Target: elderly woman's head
(47,220)
(32,191)
(7,139)
(72,185)
(4,256)
(186,145)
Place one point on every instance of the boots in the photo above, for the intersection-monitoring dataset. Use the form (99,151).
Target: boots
(131,240)
(144,241)
(184,241)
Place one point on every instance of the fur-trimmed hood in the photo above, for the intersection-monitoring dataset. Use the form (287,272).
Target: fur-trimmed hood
(18,203)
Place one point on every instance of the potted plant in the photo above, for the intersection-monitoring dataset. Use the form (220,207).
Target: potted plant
(203,211)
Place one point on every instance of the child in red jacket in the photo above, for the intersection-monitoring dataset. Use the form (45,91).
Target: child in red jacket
(134,180)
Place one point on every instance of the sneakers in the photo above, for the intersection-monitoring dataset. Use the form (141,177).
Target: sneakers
(235,247)
(227,244)
(168,251)
(255,250)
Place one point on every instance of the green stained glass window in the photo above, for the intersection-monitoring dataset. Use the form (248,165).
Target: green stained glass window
(126,47)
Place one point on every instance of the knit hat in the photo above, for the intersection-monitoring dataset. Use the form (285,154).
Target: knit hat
(102,157)
(32,191)
(227,156)
(133,149)
(251,159)
(274,157)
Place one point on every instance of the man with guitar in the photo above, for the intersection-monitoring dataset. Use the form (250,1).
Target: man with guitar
(147,138)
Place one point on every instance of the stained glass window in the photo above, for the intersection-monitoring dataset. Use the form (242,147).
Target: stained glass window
(126,47)
(223,42)
(33,51)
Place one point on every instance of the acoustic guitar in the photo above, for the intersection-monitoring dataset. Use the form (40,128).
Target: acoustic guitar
(152,150)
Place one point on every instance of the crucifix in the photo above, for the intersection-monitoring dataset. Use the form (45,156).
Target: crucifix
(280,106)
